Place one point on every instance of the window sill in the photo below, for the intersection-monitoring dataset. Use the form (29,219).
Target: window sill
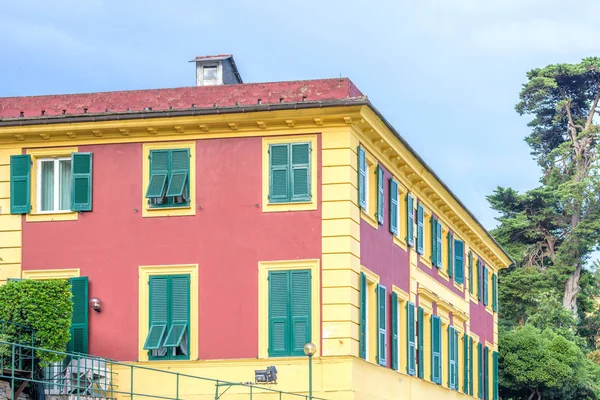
(443,274)
(168,211)
(295,206)
(459,286)
(474,298)
(400,243)
(369,219)
(52,216)
(489,310)
(425,261)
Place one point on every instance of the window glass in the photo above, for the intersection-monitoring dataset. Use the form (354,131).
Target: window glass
(54,189)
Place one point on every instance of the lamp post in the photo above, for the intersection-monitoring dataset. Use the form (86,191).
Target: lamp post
(310,349)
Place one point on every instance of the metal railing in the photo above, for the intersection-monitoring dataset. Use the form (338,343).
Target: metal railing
(17,333)
(87,377)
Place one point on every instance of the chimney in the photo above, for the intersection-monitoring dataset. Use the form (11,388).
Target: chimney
(216,70)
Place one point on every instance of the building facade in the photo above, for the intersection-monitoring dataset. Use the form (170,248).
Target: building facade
(222,227)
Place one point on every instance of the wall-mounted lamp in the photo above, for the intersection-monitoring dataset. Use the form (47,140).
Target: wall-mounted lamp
(268,375)
(96,304)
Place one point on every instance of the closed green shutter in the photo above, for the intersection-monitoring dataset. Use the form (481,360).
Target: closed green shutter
(20,177)
(159,172)
(381,326)
(459,261)
(362,178)
(279,164)
(393,206)
(486,374)
(485,286)
(410,339)
(436,350)
(395,328)
(279,324)
(433,241)
(179,173)
(471,366)
(495,368)
(465,343)
(495,292)
(180,310)
(438,247)
(380,197)
(300,310)
(450,238)
(79,321)
(159,311)
(479,280)
(420,230)
(410,220)
(363,316)
(470,272)
(479,371)
(421,343)
(300,169)
(81,181)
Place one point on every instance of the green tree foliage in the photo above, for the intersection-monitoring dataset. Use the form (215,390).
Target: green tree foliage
(44,306)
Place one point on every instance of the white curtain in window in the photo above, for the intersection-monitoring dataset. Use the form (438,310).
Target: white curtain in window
(47,195)
(64,194)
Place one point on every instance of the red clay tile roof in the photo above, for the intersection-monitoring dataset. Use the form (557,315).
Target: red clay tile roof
(178,98)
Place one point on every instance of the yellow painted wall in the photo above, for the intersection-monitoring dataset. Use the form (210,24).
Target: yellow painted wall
(10,225)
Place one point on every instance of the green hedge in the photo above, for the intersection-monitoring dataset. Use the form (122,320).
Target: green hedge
(45,306)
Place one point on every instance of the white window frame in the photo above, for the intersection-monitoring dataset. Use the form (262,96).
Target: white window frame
(367,323)
(213,82)
(56,161)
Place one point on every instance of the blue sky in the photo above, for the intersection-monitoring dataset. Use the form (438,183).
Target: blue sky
(445,73)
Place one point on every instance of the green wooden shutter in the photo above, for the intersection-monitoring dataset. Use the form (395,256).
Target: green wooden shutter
(410,220)
(433,241)
(436,350)
(362,178)
(395,328)
(381,326)
(279,167)
(471,366)
(421,343)
(159,172)
(279,324)
(451,359)
(485,286)
(420,230)
(81,181)
(470,272)
(300,310)
(479,280)
(410,339)
(393,206)
(179,310)
(465,343)
(450,238)
(363,316)
(159,311)
(20,184)
(179,173)
(380,196)
(479,371)
(438,247)
(495,292)
(486,373)
(459,261)
(79,321)
(300,171)
(495,368)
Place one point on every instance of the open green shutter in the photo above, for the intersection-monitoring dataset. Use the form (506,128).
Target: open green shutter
(393,206)
(279,172)
(300,171)
(479,371)
(81,181)
(486,373)
(436,350)
(180,310)
(471,366)
(159,172)
(410,220)
(381,326)
(470,272)
(495,292)
(433,241)
(395,328)
(438,247)
(363,316)
(421,343)
(450,238)
(410,339)
(465,343)
(79,321)
(179,173)
(459,261)
(159,311)
(485,285)
(380,196)
(420,230)
(300,310)
(479,280)
(362,178)
(495,382)
(20,177)
(279,324)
